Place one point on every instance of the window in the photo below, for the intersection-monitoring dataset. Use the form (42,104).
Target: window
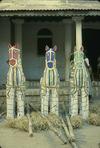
(44,37)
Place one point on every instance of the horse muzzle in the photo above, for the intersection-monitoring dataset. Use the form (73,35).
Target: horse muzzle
(50,64)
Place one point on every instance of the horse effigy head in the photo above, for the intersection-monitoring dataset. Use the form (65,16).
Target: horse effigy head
(50,56)
(13,55)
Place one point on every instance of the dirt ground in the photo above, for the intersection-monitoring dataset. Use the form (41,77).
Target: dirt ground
(12,138)
(87,137)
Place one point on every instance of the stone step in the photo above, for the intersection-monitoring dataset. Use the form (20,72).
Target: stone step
(36,84)
(63,90)
(36,92)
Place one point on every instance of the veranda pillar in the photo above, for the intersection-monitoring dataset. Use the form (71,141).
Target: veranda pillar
(78,27)
(18,32)
(68,46)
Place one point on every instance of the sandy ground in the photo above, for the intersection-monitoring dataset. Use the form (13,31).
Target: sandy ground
(12,138)
(87,137)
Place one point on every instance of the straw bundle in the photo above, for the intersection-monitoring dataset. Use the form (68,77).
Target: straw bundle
(38,122)
(94,119)
(55,120)
(20,123)
(95,107)
(11,123)
(76,121)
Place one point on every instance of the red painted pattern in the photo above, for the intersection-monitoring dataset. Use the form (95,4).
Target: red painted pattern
(13,56)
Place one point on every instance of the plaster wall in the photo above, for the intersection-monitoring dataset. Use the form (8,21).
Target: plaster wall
(4,41)
(33,64)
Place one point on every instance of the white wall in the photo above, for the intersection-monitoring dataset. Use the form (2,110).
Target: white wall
(32,63)
(4,41)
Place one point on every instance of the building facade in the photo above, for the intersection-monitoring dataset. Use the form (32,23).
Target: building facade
(33,24)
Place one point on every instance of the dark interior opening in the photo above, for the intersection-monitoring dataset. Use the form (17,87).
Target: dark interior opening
(44,38)
(91,43)
(12,37)
(42,42)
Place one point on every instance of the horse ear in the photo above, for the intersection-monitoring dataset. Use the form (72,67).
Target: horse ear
(82,48)
(15,46)
(55,48)
(9,46)
(46,47)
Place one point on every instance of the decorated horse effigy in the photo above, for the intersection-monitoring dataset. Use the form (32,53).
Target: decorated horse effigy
(79,85)
(15,87)
(50,84)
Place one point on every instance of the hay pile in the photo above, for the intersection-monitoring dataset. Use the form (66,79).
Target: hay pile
(38,122)
(21,123)
(54,120)
(94,119)
(76,121)
(95,107)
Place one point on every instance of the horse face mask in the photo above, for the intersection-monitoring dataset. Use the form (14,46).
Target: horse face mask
(50,56)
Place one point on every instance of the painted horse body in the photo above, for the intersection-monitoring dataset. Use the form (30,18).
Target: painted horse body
(50,84)
(15,87)
(79,85)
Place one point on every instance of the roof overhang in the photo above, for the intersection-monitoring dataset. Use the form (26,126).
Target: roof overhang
(49,9)
(62,13)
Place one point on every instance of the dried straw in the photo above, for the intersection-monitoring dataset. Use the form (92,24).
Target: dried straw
(38,122)
(94,119)
(76,121)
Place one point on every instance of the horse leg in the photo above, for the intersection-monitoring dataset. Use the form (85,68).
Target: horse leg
(10,94)
(44,104)
(54,102)
(84,104)
(20,102)
(73,99)
(20,92)
(73,109)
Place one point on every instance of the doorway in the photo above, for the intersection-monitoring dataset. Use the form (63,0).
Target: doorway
(91,43)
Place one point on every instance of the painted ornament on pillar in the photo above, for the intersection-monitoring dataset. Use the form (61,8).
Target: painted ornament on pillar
(13,55)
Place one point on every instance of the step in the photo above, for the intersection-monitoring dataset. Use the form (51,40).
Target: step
(36,84)
(63,90)
(35,92)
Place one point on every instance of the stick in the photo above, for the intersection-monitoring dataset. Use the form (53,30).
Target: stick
(59,135)
(2,114)
(30,126)
(74,145)
(70,129)
(56,132)
(66,130)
